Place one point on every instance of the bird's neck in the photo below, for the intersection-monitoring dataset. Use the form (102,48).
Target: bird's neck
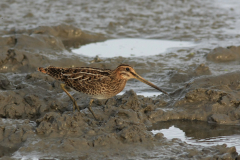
(116,75)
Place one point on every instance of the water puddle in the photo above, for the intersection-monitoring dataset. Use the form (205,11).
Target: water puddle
(130,47)
(200,133)
(145,94)
(32,156)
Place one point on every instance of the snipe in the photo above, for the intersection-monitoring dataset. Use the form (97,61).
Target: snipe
(96,83)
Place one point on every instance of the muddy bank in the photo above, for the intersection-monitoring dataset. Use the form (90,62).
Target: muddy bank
(41,116)
(122,133)
(228,54)
(36,118)
(183,20)
(13,133)
(25,51)
(123,125)
(214,99)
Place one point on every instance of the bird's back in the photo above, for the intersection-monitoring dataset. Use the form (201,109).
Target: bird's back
(95,82)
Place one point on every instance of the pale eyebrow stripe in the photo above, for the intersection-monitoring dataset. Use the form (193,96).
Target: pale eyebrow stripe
(68,74)
(101,76)
(77,77)
(84,79)
(83,73)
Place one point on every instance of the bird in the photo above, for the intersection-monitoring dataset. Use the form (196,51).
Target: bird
(95,82)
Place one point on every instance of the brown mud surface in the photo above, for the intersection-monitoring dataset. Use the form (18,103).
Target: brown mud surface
(36,118)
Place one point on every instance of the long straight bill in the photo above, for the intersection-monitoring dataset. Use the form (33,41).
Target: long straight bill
(147,82)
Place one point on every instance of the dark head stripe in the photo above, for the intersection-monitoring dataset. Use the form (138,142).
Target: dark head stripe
(124,65)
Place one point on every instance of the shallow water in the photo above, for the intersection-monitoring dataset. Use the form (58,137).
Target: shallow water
(200,133)
(130,47)
(145,94)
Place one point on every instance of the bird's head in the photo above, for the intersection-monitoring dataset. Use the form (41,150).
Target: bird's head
(127,72)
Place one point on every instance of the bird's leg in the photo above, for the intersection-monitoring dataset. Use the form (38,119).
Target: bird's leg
(106,101)
(90,109)
(74,101)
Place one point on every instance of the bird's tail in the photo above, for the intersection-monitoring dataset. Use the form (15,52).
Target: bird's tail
(41,69)
(55,72)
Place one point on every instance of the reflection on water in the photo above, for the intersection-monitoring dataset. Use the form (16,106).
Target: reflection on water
(200,133)
(130,47)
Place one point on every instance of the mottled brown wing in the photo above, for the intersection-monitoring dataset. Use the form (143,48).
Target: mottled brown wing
(63,73)
(86,81)
(83,79)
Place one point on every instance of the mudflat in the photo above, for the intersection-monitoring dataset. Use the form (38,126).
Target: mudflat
(203,82)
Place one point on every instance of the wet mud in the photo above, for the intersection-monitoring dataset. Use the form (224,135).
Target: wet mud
(230,53)
(36,118)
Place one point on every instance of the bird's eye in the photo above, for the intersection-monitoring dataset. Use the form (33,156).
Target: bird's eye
(127,69)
